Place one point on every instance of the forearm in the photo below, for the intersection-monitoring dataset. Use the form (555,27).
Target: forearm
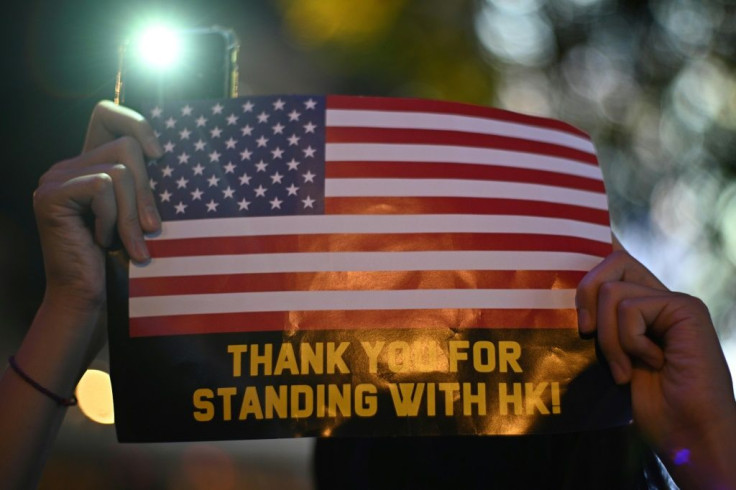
(707,460)
(54,353)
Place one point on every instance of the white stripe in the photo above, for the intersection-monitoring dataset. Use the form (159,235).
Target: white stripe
(463,188)
(362,261)
(382,223)
(153,306)
(452,122)
(384,152)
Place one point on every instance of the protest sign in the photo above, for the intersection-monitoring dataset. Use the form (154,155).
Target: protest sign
(361,266)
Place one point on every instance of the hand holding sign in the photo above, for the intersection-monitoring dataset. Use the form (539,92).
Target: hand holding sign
(80,204)
(665,345)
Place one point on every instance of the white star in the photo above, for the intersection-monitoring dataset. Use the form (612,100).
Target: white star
(167,171)
(292,190)
(215,132)
(309,152)
(183,158)
(217,108)
(243,205)
(275,203)
(170,122)
(246,130)
(310,127)
(294,115)
(293,164)
(199,145)
(168,147)
(198,169)
(232,120)
(261,166)
(260,191)
(277,152)
(213,181)
(212,205)
(165,196)
(186,110)
(181,183)
(152,184)
(276,178)
(278,128)
(262,141)
(181,207)
(201,121)
(248,106)
(308,202)
(309,176)
(263,117)
(196,194)
(184,134)
(228,193)
(278,105)
(310,104)
(229,168)
(294,140)
(244,179)
(214,156)
(245,154)
(230,143)
(156,112)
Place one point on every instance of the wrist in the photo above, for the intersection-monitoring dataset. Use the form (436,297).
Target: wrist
(704,459)
(63,339)
(68,303)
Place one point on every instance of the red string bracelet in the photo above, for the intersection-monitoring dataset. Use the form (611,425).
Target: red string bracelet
(66,402)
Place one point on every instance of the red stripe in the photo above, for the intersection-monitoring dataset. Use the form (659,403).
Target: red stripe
(434,170)
(359,320)
(446,107)
(373,242)
(463,205)
(347,281)
(454,138)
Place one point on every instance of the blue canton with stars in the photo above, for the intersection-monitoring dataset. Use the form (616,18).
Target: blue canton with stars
(249,156)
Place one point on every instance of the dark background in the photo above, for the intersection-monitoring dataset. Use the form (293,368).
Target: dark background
(654,83)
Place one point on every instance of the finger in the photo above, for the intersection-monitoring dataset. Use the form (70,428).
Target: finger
(626,312)
(96,192)
(619,266)
(608,335)
(635,317)
(110,121)
(115,208)
(616,243)
(57,201)
(126,219)
(127,152)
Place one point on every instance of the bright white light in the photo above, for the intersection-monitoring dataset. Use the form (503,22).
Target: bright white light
(159,47)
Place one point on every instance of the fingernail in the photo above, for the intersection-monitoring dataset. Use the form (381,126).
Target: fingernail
(154,147)
(153,220)
(141,250)
(584,321)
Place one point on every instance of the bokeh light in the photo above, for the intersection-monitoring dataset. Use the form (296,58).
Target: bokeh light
(518,35)
(94,393)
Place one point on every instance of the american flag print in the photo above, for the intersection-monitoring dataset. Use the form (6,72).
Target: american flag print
(341,212)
